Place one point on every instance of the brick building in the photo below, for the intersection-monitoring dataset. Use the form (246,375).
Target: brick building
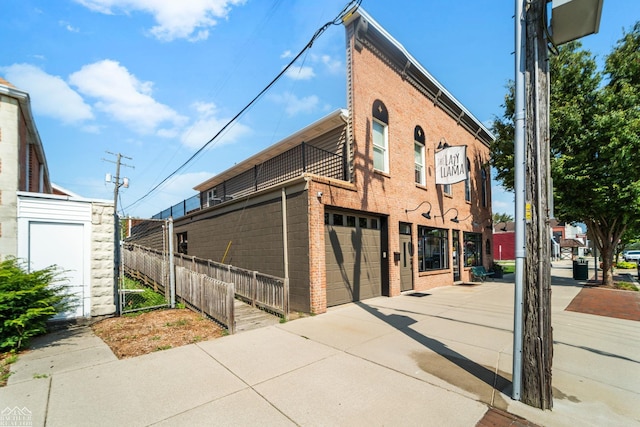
(348,208)
(23,166)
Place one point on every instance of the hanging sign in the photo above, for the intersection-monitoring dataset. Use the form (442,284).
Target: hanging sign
(451,165)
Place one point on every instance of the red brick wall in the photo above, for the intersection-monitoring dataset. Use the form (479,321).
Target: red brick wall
(506,242)
(393,193)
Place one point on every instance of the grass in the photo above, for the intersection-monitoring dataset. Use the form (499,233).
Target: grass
(507,266)
(625,286)
(140,300)
(6,360)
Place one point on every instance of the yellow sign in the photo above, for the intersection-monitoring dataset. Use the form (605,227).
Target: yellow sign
(527,212)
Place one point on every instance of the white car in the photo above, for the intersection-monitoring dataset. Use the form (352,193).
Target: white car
(631,256)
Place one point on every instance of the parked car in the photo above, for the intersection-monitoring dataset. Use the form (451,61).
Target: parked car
(631,256)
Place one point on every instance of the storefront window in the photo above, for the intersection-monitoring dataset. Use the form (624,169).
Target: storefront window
(472,249)
(433,249)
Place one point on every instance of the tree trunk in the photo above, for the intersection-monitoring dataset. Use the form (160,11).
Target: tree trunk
(605,234)
(537,350)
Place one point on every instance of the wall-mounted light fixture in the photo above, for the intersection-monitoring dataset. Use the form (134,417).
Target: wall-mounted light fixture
(455,218)
(424,214)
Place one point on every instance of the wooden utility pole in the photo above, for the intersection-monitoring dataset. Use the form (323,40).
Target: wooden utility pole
(118,182)
(537,342)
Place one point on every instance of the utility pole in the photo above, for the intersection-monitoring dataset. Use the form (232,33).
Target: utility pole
(124,182)
(533,339)
(537,332)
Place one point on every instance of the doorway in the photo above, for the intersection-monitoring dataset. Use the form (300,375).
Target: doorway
(456,255)
(406,258)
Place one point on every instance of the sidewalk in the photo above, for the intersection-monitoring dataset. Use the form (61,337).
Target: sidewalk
(441,357)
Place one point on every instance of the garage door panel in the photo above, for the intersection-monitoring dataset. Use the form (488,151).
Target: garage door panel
(353,264)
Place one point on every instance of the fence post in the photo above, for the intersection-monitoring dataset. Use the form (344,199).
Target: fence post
(231,311)
(285,298)
(304,157)
(172,271)
(254,288)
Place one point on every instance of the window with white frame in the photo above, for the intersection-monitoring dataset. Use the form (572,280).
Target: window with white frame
(380,136)
(380,147)
(418,154)
(467,183)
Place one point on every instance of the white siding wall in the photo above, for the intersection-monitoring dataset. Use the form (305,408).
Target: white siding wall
(96,239)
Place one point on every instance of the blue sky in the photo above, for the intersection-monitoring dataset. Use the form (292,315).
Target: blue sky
(155,80)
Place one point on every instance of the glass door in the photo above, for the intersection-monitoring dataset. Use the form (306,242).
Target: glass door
(456,255)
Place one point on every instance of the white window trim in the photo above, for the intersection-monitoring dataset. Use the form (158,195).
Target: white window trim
(423,178)
(385,149)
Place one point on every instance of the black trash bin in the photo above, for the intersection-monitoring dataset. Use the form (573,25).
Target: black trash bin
(581,269)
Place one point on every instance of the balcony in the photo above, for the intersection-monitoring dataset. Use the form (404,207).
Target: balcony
(295,162)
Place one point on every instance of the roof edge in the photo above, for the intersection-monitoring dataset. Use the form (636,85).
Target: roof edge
(361,13)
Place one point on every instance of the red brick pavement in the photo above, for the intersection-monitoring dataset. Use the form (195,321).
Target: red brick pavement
(607,302)
(497,418)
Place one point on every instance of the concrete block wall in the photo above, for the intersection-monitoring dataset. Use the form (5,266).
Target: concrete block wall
(102,262)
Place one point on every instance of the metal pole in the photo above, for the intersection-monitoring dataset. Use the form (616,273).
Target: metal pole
(285,243)
(172,269)
(520,215)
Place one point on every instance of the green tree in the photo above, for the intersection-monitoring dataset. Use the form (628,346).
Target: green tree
(595,141)
(501,217)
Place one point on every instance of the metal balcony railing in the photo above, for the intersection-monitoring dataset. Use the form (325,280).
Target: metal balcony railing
(299,160)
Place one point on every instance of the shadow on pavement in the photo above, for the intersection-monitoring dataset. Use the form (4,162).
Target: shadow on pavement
(402,323)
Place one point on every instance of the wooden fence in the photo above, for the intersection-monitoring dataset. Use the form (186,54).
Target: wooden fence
(208,295)
(261,290)
(206,285)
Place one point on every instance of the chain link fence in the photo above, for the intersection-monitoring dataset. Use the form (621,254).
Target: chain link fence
(145,276)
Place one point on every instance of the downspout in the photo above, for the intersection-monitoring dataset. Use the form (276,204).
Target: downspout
(285,245)
(520,215)
(285,250)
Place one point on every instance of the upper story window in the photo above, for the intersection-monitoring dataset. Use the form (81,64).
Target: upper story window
(418,152)
(380,136)
(447,189)
(467,183)
(484,187)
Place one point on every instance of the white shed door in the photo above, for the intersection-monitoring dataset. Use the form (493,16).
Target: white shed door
(61,244)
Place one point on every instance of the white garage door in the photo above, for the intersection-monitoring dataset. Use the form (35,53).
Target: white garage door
(63,245)
(352,257)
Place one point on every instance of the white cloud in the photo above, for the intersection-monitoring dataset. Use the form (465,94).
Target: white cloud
(294,105)
(286,54)
(333,65)
(300,73)
(69,27)
(48,93)
(123,97)
(189,19)
(208,124)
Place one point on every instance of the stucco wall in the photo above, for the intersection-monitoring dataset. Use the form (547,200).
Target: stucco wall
(9,113)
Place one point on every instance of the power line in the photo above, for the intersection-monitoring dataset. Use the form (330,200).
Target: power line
(348,9)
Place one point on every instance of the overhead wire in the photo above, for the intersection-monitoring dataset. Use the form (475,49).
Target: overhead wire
(348,9)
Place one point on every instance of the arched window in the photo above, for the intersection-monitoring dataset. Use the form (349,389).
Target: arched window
(419,159)
(467,182)
(380,136)
(484,187)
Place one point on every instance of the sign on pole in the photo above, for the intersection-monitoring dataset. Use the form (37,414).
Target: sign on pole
(451,165)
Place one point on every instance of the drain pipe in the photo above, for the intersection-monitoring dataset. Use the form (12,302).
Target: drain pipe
(520,214)
(285,245)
